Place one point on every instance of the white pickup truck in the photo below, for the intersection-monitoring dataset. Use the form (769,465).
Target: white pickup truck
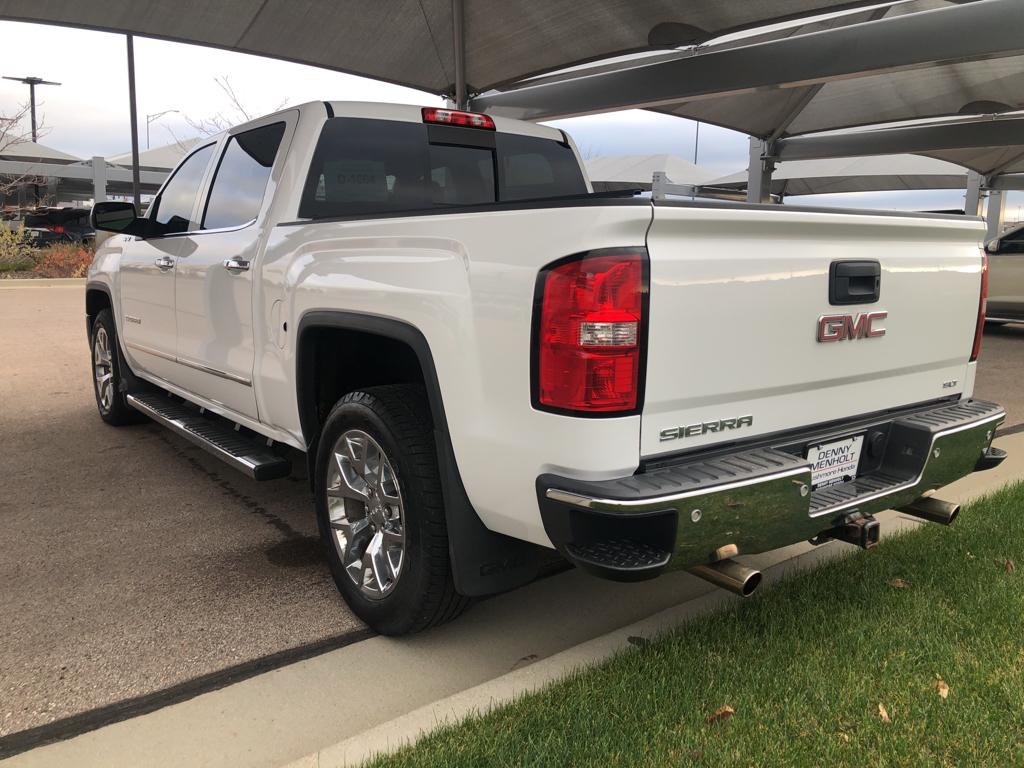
(482,362)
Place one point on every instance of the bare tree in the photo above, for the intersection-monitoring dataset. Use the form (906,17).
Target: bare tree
(14,130)
(235,113)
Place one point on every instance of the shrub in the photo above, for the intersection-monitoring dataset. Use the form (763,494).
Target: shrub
(15,252)
(64,260)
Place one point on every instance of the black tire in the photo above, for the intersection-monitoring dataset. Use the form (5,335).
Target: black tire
(117,413)
(398,419)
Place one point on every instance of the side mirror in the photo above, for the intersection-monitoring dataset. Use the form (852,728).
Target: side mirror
(117,217)
(992,246)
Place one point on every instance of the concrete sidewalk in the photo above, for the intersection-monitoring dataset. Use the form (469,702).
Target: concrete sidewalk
(337,708)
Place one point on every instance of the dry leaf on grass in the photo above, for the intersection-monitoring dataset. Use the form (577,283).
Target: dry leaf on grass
(722,714)
(845,737)
(883,713)
(899,583)
(1010,567)
(941,687)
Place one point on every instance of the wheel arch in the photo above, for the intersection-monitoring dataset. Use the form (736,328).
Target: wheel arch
(483,562)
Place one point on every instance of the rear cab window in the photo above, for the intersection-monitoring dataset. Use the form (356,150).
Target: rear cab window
(367,167)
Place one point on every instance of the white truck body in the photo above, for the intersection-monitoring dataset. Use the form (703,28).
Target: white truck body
(736,297)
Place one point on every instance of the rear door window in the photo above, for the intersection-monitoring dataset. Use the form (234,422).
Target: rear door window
(241,179)
(368,167)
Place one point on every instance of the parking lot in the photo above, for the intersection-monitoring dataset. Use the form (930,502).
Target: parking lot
(137,569)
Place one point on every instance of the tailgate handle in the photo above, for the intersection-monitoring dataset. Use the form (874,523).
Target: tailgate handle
(854,282)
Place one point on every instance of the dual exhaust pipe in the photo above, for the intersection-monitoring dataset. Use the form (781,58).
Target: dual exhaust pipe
(743,581)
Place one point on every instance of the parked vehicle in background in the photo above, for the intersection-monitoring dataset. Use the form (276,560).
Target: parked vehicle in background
(1006,277)
(46,226)
(481,361)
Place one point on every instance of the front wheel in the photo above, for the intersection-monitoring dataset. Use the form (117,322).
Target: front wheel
(108,370)
(381,513)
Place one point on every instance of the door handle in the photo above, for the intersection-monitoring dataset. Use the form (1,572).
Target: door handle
(164,262)
(236,265)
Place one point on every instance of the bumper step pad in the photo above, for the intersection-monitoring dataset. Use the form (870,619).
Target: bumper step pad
(620,559)
(249,454)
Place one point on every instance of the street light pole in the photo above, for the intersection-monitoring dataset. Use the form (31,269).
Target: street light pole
(157,116)
(32,82)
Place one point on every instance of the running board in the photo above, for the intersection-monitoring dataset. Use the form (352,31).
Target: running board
(246,454)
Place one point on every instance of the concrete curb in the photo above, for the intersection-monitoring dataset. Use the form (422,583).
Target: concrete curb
(406,729)
(41,282)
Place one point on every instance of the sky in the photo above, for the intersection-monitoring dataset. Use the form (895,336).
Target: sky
(88,113)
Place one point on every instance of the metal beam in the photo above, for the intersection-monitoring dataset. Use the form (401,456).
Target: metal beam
(972,199)
(23,168)
(99,179)
(978,30)
(1008,181)
(994,213)
(759,172)
(968,134)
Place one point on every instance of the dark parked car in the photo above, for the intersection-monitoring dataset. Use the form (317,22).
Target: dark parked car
(46,226)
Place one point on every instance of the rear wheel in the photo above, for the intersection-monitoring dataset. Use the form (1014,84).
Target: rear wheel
(381,513)
(108,371)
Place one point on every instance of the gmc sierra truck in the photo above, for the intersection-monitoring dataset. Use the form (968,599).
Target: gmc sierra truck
(481,362)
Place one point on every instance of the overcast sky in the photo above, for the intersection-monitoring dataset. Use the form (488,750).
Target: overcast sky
(88,114)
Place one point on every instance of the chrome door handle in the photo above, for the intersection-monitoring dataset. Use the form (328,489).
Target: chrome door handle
(164,262)
(236,265)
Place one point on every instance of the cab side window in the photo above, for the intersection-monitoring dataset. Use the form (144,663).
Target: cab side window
(173,209)
(242,176)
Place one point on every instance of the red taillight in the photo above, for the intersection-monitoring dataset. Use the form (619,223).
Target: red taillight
(980,329)
(457,117)
(59,229)
(590,332)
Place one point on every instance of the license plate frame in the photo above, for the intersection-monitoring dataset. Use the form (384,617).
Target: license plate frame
(834,462)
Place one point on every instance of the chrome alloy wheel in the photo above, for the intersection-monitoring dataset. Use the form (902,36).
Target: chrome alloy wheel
(366,513)
(103,369)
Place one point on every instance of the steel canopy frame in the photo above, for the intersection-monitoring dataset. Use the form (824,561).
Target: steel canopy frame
(983,29)
(1006,131)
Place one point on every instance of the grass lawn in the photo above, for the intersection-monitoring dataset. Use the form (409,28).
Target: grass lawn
(928,626)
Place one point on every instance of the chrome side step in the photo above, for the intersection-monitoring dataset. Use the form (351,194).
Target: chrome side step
(246,454)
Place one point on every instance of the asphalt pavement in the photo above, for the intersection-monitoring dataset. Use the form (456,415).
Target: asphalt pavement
(138,571)
(133,563)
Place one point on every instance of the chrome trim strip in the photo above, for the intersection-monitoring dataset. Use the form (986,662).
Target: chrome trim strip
(190,364)
(587,502)
(150,351)
(215,372)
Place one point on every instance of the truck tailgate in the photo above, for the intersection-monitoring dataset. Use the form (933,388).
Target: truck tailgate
(737,297)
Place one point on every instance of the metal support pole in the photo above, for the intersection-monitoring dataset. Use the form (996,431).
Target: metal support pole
(99,179)
(759,172)
(134,121)
(459,47)
(972,200)
(32,101)
(995,212)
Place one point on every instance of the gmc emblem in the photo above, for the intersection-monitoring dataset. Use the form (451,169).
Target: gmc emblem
(850,328)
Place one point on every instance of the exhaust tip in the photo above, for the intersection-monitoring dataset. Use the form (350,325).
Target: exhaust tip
(730,575)
(751,584)
(933,510)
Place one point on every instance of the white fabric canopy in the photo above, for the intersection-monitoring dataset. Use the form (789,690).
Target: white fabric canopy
(856,174)
(624,171)
(29,150)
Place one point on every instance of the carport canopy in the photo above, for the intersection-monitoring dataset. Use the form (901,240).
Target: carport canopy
(942,59)
(433,45)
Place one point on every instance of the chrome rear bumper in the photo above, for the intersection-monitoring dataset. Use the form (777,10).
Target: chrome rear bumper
(700,510)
